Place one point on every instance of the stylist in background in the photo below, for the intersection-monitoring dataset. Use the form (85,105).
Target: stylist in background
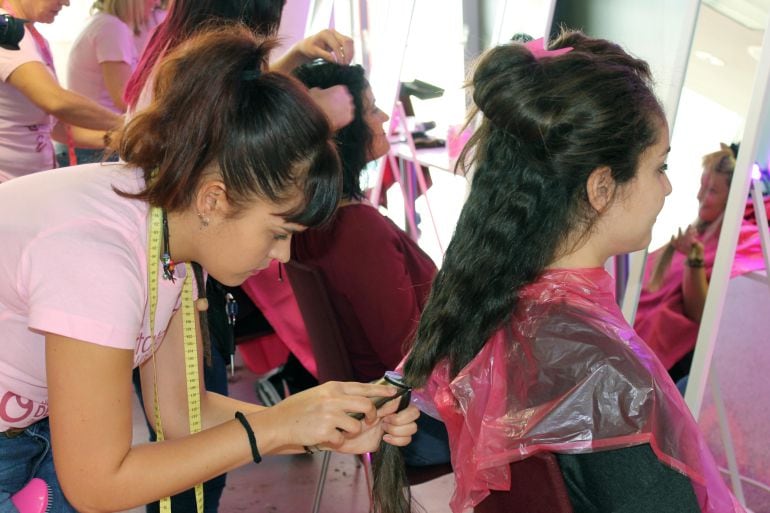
(103,57)
(33,106)
(188,17)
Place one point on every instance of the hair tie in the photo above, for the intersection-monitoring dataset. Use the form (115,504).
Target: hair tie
(538,49)
(250,74)
(250,434)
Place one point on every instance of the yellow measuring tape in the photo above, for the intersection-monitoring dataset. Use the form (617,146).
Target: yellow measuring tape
(190,344)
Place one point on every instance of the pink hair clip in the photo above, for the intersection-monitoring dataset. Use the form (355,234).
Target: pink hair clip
(537,47)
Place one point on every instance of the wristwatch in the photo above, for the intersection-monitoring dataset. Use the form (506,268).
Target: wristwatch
(694,262)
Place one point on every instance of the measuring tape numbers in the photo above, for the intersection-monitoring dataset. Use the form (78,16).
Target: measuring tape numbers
(190,345)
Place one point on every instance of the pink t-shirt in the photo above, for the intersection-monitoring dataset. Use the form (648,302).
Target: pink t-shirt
(25,130)
(73,261)
(105,39)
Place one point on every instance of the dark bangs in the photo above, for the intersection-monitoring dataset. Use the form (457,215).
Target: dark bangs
(282,138)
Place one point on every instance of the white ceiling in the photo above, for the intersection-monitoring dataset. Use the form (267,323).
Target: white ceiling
(728,77)
(751,13)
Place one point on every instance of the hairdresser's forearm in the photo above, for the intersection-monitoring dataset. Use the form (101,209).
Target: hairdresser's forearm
(37,84)
(288,62)
(694,289)
(81,137)
(78,110)
(219,409)
(155,470)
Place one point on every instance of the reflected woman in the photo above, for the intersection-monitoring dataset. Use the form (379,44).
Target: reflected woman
(677,276)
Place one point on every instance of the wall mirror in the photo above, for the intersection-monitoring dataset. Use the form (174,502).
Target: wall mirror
(712,109)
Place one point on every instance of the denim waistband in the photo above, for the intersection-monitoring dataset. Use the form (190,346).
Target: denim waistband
(12,432)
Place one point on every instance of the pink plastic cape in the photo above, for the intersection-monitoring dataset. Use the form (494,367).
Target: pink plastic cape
(566,375)
(660,318)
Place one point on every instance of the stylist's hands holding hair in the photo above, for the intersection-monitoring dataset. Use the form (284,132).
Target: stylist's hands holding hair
(389,426)
(329,45)
(317,417)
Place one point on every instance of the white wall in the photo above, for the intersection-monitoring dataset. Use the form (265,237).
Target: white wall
(658,31)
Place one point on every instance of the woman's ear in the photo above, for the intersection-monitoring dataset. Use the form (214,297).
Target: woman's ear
(600,188)
(211,200)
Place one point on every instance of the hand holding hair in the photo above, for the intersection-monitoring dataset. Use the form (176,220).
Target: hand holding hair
(328,45)
(320,416)
(398,427)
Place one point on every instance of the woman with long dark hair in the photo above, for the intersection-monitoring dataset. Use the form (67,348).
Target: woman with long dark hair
(521,349)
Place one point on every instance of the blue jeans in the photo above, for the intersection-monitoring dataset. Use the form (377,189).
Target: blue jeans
(83,155)
(681,385)
(26,456)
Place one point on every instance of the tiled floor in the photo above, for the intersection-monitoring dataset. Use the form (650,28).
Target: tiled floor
(286,484)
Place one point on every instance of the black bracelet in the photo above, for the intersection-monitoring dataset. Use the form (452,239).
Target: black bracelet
(694,262)
(252,439)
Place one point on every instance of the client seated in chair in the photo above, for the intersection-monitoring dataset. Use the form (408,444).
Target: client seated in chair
(521,348)
(376,277)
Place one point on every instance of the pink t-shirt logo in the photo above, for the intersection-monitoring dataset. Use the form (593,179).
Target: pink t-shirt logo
(16,409)
(143,348)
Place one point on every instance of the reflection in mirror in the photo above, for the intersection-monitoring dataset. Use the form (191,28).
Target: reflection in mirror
(712,110)
(532,17)
(403,44)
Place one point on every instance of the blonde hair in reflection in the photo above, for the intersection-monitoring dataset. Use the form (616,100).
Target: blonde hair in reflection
(131,12)
(720,162)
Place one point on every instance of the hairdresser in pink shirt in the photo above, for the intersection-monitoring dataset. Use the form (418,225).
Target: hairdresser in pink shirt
(34,108)
(103,274)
